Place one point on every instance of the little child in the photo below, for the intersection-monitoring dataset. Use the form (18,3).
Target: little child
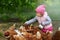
(43,19)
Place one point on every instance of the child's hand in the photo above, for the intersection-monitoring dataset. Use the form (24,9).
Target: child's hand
(25,25)
(40,26)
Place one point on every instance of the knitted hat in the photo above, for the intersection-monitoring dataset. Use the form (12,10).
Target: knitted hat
(40,9)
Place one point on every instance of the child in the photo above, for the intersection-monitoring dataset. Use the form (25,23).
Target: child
(43,19)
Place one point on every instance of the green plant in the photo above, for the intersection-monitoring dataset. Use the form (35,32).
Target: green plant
(4,17)
(1,34)
(14,8)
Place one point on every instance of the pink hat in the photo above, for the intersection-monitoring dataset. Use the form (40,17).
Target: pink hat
(40,9)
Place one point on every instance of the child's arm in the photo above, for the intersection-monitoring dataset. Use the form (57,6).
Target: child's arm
(31,21)
(48,21)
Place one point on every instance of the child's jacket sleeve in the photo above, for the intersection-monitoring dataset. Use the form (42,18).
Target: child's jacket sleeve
(31,21)
(47,22)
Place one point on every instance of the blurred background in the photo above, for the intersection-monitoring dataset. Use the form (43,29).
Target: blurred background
(19,11)
(22,10)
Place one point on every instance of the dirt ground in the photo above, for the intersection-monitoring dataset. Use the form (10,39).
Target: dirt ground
(5,26)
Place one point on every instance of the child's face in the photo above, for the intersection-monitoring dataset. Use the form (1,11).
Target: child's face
(39,15)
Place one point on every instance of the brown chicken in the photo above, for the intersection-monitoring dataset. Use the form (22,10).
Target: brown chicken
(32,33)
(56,35)
(10,32)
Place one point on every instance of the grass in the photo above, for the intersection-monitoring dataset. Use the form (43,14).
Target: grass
(1,34)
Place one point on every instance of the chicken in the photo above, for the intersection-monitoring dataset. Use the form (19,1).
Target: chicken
(10,32)
(16,37)
(56,35)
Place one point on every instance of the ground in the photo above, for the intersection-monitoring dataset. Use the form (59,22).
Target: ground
(5,26)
